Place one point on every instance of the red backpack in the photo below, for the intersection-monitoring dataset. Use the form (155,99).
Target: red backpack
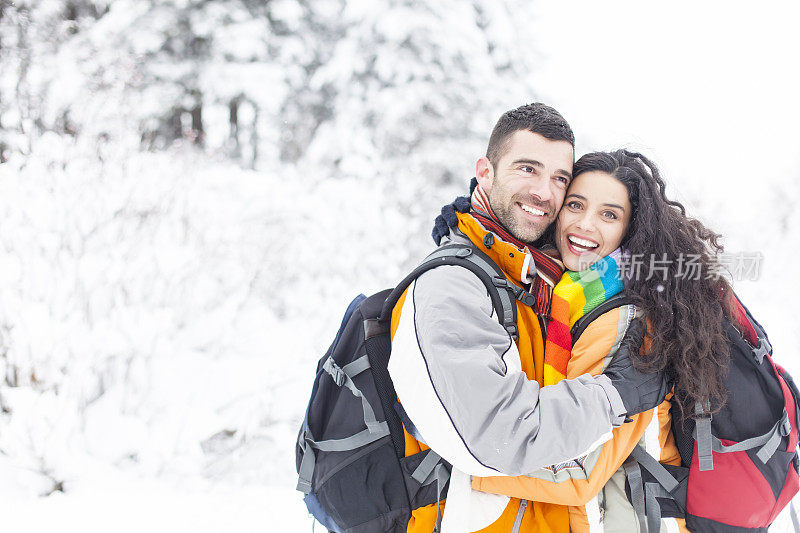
(740,466)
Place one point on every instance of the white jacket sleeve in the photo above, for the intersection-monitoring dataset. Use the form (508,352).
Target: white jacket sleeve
(458,375)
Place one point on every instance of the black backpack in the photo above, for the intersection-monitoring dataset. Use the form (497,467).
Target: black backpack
(740,467)
(350,451)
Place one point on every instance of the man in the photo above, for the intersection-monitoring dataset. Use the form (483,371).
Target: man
(472,392)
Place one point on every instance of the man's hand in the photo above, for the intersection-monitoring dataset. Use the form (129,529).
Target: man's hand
(639,391)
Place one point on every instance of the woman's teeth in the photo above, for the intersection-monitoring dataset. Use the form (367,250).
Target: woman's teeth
(532,210)
(582,244)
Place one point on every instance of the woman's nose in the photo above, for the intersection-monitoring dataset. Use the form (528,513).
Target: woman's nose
(586,223)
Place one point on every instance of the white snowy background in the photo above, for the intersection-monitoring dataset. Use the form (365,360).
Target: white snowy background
(192,190)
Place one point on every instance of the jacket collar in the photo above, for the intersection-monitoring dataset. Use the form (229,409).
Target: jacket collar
(538,271)
(514,261)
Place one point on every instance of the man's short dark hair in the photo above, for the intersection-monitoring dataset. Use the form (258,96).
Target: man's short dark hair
(537,118)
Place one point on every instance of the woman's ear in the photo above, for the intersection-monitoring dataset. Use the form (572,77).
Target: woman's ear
(484,172)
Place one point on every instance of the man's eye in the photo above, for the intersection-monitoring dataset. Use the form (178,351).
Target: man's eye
(526,168)
(562,179)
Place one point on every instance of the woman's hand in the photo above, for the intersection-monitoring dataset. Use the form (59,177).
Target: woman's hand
(448,219)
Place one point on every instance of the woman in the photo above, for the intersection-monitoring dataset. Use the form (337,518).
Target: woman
(618,232)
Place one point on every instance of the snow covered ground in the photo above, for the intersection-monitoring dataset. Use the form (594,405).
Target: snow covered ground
(128,504)
(169,315)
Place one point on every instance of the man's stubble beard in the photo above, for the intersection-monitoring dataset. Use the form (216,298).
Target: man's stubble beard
(526,234)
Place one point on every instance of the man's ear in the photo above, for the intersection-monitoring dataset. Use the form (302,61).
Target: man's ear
(484,172)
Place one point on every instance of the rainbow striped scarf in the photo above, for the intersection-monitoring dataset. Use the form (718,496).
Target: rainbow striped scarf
(575,295)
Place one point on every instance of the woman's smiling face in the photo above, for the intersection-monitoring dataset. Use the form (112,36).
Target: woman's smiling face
(593,220)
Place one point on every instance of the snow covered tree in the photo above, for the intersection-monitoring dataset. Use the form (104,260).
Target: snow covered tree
(139,244)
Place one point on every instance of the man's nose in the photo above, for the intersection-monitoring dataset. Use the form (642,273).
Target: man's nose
(541,189)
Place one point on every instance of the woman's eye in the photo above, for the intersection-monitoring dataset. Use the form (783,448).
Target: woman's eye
(526,168)
(610,215)
(574,205)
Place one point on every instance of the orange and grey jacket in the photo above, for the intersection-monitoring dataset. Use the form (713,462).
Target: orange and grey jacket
(474,394)
(594,484)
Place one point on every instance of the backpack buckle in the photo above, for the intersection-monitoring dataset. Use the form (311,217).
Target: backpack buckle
(335,371)
(519,293)
(526,298)
(701,412)
(786,426)
(512,330)
(500,282)
(763,348)
(338,376)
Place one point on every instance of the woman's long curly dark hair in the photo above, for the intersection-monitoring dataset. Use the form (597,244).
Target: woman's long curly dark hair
(686,330)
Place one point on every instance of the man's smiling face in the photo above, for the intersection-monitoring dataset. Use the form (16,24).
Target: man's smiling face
(527,185)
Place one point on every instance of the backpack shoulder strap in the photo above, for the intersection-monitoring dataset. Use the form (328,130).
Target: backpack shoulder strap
(764,347)
(472,258)
(618,300)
